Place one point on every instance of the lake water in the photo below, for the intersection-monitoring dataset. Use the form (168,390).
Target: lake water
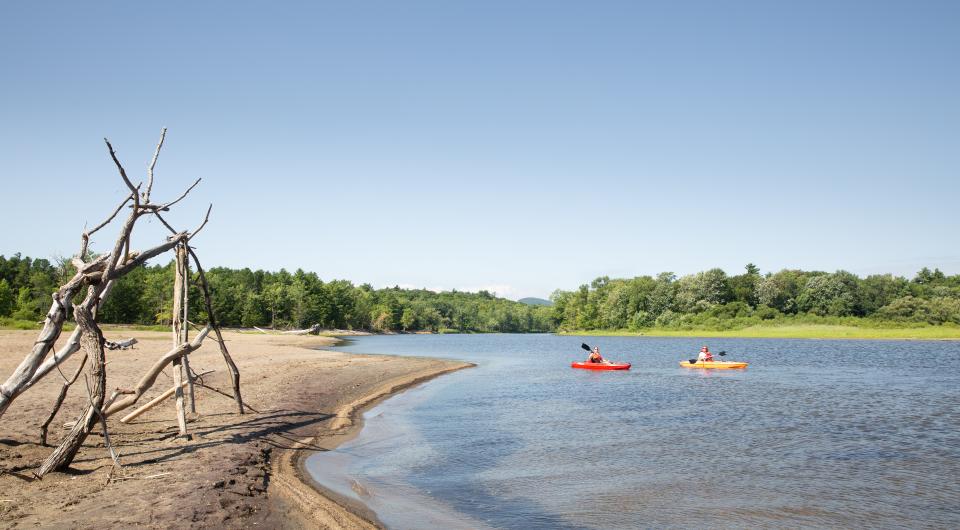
(814,433)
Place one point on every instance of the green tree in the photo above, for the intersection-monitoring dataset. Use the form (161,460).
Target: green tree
(781,290)
(879,290)
(829,294)
(743,288)
(698,292)
(6,298)
(408,319)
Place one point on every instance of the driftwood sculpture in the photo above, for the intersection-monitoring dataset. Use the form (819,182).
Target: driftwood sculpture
(96,275)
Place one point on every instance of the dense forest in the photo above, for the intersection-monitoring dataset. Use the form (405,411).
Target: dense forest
(706,300)
(245,298)
(714,300)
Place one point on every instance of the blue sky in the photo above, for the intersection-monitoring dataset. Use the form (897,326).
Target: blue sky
(519,146)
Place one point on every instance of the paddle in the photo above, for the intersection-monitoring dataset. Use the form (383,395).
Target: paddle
(721,354)
(588,348)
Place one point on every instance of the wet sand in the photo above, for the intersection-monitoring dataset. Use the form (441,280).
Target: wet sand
(238,471)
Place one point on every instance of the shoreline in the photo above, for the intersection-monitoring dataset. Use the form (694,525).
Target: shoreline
(238,471)
(326,505)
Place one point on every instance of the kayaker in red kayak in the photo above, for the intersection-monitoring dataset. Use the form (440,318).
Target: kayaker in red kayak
(705,355)
(595,356)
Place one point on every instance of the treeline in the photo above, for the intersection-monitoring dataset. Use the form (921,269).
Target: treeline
(706,300)
(714,300)
(245,298)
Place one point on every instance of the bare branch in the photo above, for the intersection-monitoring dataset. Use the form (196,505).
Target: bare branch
(232,366)
(123,172)
(153,163)
(144,256)
(165,207)
(63,394)
(203,224)
(165,223)
(222,393)
(103,423)
(191,234)
(85,238)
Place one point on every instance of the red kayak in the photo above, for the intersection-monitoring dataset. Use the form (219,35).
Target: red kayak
(599,366)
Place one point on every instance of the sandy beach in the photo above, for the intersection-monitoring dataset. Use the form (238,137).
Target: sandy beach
(238,471)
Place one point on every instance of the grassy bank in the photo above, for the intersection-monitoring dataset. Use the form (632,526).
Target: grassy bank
(12,323)
(794,331)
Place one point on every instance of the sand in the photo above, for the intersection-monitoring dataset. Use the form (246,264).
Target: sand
(238,471)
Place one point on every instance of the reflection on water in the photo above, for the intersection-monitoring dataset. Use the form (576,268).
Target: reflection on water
(813,433)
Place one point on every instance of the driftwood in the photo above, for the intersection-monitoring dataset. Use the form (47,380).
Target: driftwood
(201,384)
(211,316)
(19,381)
(91,341)
(151,376)
(72,346)
(103,424)
(60,398)
(152,403)
(232,366)
(180,330)
(121,345)
(312,330)
(159,399)
(23,377)
(96,276)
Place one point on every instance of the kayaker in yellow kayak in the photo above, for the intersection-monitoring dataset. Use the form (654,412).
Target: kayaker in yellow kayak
(705,355)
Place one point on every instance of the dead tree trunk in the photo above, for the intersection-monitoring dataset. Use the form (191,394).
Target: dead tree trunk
(179,330)
(91,341)
(184,260)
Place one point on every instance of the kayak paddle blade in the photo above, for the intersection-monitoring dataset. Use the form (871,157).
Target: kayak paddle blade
(584,346)
(693,361)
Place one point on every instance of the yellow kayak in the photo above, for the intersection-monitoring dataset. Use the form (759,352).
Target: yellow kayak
(720,365)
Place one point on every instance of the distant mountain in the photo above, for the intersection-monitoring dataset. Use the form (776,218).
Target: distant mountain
(535,301)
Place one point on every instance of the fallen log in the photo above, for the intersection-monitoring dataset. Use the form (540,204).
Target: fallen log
(151,376)
(312,330)
(157,400)
(121,345)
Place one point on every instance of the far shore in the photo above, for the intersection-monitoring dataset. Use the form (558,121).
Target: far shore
(794,331)
(766,331)
(238,471)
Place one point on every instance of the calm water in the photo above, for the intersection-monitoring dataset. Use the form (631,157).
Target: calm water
(814,433)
